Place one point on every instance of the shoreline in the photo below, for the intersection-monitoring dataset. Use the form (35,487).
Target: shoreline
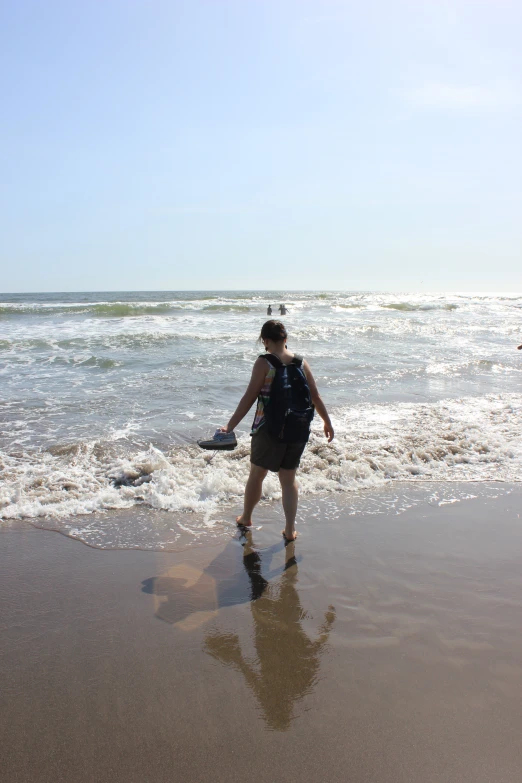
(379,648)
(148,529)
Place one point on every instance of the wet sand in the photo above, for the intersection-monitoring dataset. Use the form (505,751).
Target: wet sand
(378,648)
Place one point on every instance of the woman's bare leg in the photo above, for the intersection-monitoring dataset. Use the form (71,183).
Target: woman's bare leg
(253,489)
(289,490)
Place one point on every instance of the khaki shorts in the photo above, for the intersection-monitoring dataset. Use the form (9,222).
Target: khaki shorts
(269,453)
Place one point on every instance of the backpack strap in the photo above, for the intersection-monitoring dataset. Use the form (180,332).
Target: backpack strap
(297,361)
(271,359)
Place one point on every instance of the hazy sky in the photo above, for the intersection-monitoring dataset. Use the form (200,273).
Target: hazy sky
(157,144)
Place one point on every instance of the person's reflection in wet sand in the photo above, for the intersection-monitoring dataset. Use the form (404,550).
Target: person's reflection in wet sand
(287,664)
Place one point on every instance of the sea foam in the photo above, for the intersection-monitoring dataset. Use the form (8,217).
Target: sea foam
(469,439)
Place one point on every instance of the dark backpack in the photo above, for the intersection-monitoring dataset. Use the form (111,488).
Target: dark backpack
(289,410)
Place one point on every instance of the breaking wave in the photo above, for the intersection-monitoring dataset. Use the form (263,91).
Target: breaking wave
(104,310)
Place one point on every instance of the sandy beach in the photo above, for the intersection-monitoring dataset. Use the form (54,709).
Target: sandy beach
(378,648)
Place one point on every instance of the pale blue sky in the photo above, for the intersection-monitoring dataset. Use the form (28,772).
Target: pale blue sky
(156,144)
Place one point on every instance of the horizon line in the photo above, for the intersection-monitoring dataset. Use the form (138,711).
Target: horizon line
(266,290)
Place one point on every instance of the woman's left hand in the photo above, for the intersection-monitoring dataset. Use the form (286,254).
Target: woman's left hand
(329,431)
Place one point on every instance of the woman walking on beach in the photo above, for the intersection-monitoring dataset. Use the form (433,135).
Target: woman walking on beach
(268,452)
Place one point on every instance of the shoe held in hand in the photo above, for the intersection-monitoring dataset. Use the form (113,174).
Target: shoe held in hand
(222,441)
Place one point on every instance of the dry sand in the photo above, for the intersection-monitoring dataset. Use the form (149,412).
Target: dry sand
(380,648)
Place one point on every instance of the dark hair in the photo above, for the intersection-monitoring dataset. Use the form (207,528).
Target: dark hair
(273,330)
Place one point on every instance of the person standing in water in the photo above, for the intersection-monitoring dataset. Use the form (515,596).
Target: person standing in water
(268,452)
(282,309)
(269,310)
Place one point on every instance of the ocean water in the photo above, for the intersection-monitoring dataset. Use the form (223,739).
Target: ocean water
(103,396)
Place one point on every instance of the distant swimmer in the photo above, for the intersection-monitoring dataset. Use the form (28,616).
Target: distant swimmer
(282,309)
(269,310)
